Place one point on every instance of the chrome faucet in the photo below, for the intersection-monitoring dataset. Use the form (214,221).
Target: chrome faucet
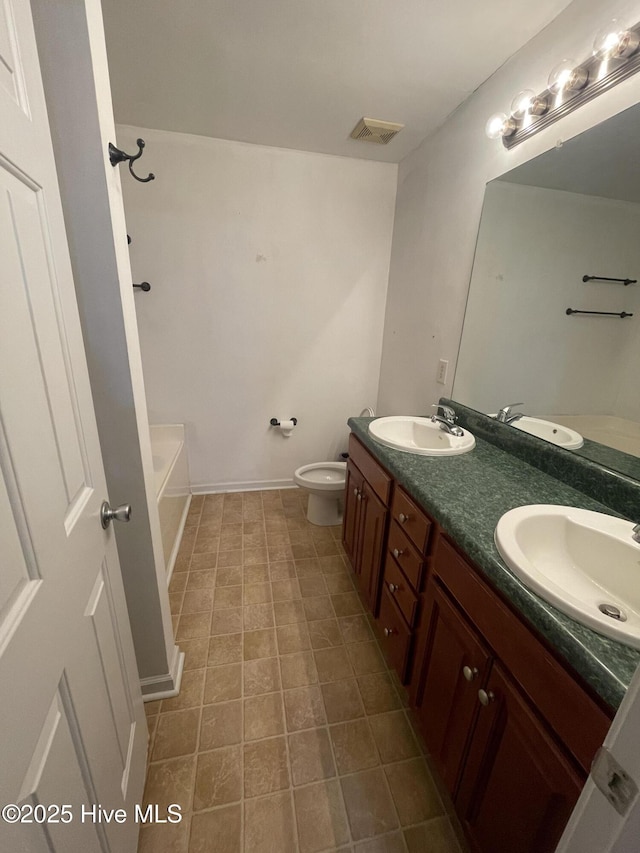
(504,416)
(447,420)
(636,534)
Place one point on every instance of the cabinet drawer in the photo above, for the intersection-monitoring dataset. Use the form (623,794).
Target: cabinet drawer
(398,587)
(410,561)
(395,637)
(412,520)
(378,478)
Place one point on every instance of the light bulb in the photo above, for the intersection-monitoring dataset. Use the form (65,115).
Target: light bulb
(499,125)
(567,76)
(615,41)
(528,103)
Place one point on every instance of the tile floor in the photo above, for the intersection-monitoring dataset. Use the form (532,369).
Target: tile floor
(289,733)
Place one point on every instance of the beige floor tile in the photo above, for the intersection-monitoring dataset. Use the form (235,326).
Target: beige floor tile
(324,634)
(298,670)
(223,683)
(304,708)
(436,836)
(369,806)
(342,700)
(285,590)
(327,548)
(261,676)
(269,825)
(378,693)
(255,556)
(193,625)
(413,791)
(152,708)
(175,602)
(288,612)
(393,736)
(296,536)
(197,600)
(312,586)
(177,734)
(318,608)
(205,543)
(164,838)
(227,648)
(332,564)
(230,575)
(203,562)
(218,778)
(293,638)
(278,553)
(308,568)
(355,629)
(339,582)
(226,621)
(170,781)
(346,604)
(191,689)
(196,652)
(227,596)
(230,541)
(322,823)
(178,582)
(201,579)
(221,725)
(263,716)
(257,616)
(332,664)
(265,767)
(258,593)
(223,825)
(391,843)
(353,746)
(366,658)
(256,574)
(260,644)
(310,756)
(303,550)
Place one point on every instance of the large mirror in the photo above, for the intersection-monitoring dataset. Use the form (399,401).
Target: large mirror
(570,213)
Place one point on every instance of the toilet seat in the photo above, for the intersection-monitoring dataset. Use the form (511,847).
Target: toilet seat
(325,482)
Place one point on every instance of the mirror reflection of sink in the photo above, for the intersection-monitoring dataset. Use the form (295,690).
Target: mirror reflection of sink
(419,435)
(555,433)
(585,563)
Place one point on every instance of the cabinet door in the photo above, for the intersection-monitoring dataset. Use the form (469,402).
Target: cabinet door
(370,552)
(455,665)
(518,787)
(351,515)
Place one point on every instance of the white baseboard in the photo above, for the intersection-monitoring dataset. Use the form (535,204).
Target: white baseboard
(176,545)
(248,486)
(167,685)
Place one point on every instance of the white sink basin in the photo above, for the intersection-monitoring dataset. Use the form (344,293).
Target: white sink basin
(580,561)
(420,435)
(555,433)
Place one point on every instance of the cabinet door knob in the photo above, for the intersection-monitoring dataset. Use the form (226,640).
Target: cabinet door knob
(402,518)
(393,587)
(470,673)
(355,492)
(388,632)
(486,697)
(359,496)
(397,552)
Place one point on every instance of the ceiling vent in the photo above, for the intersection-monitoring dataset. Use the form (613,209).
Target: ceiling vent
(372,130)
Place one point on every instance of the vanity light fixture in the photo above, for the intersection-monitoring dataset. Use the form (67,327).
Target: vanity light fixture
(615,57)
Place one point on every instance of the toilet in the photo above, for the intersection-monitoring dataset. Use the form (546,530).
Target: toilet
(325,483)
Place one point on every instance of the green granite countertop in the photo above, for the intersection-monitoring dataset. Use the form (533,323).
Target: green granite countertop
(467,495)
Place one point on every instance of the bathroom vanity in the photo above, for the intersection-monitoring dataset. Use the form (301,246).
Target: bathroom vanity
(512,697)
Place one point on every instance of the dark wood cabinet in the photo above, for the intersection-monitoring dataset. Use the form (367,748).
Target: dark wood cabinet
(518,787)
(365,519)
(511,729)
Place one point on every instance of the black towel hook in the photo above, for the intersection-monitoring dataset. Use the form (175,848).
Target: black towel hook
(117,156)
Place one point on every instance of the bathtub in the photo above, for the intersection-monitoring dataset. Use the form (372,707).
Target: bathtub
(619,433)
(173,492)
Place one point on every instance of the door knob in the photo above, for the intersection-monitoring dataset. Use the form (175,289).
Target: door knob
(120,513)
(486,697)
(470,673)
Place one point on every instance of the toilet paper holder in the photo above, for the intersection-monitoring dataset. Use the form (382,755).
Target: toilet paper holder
(275,422)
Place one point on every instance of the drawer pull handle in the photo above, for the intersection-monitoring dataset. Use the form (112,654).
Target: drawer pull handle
(393,587)
(402,518)
(470,673)
(397,552)
(486,697)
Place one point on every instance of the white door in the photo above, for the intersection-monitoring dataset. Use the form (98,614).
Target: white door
(72,726)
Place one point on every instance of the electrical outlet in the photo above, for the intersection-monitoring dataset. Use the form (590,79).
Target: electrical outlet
(443,366)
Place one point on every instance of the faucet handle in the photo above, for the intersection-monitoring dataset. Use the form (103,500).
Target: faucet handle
(447,412)
(505,411)
(636,533)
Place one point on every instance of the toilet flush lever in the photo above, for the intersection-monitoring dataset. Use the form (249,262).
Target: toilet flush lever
(120,513)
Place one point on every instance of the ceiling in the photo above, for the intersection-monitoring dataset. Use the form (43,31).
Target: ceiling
(301,73)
